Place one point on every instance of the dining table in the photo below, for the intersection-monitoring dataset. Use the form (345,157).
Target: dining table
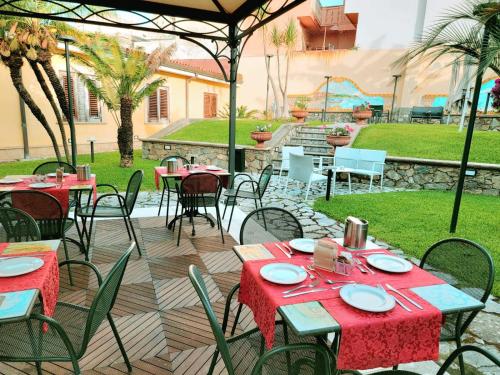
(407,332)
(19,293)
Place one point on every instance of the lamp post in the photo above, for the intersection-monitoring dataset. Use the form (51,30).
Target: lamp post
(323,119)
(268,62)
(67,40)
(396,77)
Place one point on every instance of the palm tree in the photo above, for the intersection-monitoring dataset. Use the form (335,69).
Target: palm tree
(121,79)
(459,33)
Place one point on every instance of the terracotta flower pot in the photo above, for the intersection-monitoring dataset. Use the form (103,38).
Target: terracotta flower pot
(299,114)
(338,140)
(362,117)
(261,137)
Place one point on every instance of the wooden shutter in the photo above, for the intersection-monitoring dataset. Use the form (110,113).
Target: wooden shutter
(209,105)
(213,105)
(93,106)
(65,85)
(153,107)
(163,94)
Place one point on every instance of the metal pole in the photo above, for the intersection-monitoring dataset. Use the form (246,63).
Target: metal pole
(92,156)
(323,119)
(24,128)
(233,44)
(470,127)
(268,62)
(487,103)
(396,77)
(71,122)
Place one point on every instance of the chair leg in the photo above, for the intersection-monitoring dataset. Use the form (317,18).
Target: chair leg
(238,313)
(135,237)
(180,228)
(213,363)
(225,207)
(307,190)
(128,230)
(460,357)
(67,258)
(382,181)
(38,365)
(161,200)
(219,221)
(286,185)
(89,236)
(168,205)
(119,341)
(334,182)
(371,184)
(349,181)
(230,217)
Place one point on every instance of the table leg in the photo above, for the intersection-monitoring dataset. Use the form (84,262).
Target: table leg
(328,184)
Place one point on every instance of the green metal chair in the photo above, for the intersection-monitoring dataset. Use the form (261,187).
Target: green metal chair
(70,329)
(51,166)
(18,226)
(466,266)
(122,208)
(258,190)
(244,354)
(48,214)
(457,353)
(169,183)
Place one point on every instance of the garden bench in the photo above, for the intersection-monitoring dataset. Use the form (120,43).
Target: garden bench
(355,161)
(427,113)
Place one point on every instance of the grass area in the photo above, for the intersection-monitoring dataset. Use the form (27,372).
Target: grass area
(442,142)
(217,131)
(415,220)
(106,168)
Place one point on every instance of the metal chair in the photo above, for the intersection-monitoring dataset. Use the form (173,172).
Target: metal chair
(51,166)
(70,329)
(285,157)
(269,224)
(123,208)
(302,170)
(466,266)
(18,226)
(199,190)
(169,183)
(451,358)
(258,190)
(244,354)
(48,214)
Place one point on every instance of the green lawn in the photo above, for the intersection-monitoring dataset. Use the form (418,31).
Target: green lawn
(106,168)
(442,142)
(415,220)
(217,131)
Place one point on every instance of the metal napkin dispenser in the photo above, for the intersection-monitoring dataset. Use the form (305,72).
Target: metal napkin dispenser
(83,172)
(172,165)
(355,232)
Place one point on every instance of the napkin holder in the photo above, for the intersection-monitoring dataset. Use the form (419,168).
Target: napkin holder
(325,254)
(344,264)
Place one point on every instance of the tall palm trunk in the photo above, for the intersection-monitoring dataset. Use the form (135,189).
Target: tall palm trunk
(15,63)
(50,98)
(126,134)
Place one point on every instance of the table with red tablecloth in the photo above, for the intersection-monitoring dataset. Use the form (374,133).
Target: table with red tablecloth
(367,339)
(182,173)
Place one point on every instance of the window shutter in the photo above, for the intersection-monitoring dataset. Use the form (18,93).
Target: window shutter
(93,106)
(163,94)
(65,85)
(206,105)
(153,107)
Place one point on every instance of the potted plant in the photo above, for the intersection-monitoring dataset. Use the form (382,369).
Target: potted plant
(299,110)
(339,136)
(261,134)
(362,113)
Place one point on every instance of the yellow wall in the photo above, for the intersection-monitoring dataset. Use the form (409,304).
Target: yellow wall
(11,142)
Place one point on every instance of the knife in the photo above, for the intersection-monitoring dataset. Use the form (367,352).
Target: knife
(284,252)
(306,292)
(405,297)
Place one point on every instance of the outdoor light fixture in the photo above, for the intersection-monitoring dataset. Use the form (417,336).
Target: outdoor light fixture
(67,40)
(326,98)
(396,77)
(167,147)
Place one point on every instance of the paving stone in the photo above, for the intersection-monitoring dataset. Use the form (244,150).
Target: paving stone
(487,327)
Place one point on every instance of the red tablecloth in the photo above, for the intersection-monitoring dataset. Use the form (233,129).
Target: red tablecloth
(45,279)
(183,172)
(60,193)
(368,340)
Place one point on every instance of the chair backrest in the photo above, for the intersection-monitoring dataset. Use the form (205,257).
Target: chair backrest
(133,188)
(17,226)
(463,264)
(285,155)
(43,207)
(51,166)
(346,157)
(369,159)
(301,167)
(105,297)
(180,160)
(201,289)
(264,179)
(203,183)
(269,224)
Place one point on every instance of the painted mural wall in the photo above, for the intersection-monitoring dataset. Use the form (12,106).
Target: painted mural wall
(483,97)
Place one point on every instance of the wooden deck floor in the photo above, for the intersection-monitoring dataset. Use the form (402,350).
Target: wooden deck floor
(158,313)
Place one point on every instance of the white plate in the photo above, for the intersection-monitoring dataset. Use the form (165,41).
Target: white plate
(54,174)
(213,168)
(19,266)
(283,273)
(367,298)
(10,180)
(389,263)
(305,245)
(42,185)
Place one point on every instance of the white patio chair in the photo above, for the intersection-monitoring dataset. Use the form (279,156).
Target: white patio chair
(285,157)
(302,170)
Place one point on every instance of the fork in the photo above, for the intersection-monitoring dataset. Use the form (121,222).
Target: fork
(289,248)
(312,285)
